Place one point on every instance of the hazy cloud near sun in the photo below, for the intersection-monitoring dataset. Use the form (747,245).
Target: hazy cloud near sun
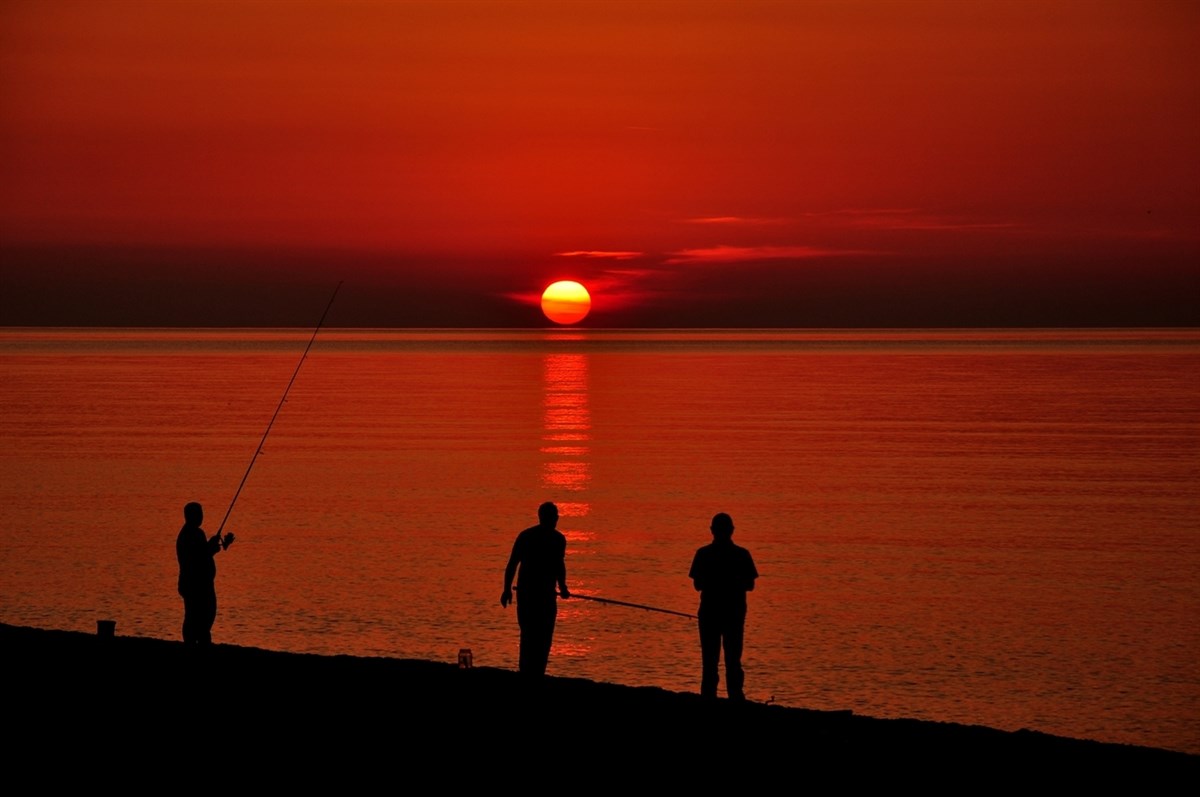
(867,218)
(736,220)
(654,274)
(741,254)
(903,219)
(600,253)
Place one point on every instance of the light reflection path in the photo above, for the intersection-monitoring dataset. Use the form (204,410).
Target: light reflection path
(566,467)
(566,430)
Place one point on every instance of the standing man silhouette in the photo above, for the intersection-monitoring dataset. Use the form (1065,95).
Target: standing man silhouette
(198,574)
(722,573)
(540,552)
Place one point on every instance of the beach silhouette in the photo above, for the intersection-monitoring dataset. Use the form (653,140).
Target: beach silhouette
(267,705)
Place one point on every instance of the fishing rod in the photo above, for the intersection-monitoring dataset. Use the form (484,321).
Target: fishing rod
(631,605)
(282,399)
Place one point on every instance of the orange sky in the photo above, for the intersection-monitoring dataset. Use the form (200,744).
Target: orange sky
(735,163)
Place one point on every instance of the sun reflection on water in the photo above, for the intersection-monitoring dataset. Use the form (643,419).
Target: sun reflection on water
(566,418)
(566,468)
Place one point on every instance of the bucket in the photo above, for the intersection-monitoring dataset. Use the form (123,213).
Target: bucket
(464,659)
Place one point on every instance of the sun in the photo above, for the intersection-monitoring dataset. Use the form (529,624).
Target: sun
(566,302)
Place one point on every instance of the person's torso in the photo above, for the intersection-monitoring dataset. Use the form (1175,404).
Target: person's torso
(726,573)
(197,567)
(541,552)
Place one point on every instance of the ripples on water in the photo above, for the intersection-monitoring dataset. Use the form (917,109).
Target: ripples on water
(989,527)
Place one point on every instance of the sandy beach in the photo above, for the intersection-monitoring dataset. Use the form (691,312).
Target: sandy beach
(135,704)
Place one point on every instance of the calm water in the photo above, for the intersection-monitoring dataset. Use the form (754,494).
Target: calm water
(988,527)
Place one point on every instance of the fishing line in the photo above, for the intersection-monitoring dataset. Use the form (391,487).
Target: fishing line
(282,399)
(632,605)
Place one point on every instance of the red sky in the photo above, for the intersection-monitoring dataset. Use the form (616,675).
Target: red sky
(853,162)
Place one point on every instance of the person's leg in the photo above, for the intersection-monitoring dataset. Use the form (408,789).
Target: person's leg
(190,614)
(710,656)
(536,619)
(209,616)
(735,677)
(547,640)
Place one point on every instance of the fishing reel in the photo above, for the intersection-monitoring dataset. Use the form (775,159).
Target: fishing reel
(226,541)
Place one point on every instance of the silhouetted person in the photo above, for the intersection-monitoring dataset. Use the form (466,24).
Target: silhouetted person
(198,574)
(540,553)
(722,573)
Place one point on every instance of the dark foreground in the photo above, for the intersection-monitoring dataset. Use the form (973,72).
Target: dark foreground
(79,708)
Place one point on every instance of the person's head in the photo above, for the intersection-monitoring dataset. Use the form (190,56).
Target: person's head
(548,514)
(722,526)
(193,513)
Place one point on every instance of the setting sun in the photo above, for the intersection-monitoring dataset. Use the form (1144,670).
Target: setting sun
(566,302)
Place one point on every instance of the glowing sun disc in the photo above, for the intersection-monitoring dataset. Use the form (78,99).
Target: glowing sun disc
(566,302)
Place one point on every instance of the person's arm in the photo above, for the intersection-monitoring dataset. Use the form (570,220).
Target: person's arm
(751,572)
(562,573)
(694,573)
(510,571)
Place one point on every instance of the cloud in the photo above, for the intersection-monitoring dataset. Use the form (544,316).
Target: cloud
(904,219)
(600,253)
(524,297)
(741,254)
(734,220)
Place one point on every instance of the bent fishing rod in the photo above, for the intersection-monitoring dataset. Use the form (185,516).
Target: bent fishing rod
(282,399)
(632,605)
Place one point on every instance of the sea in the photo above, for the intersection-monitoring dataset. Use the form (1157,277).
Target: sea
(989,527)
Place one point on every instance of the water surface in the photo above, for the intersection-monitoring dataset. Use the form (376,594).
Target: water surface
(992,527)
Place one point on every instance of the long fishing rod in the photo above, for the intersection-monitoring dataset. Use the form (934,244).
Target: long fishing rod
(282,399)
(631,605)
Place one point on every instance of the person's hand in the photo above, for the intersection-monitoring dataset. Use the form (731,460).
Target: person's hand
(225,543)
(564,592)
(505,598)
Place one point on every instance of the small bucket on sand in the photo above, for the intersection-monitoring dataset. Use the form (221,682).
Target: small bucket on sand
(106,629)
(464,659)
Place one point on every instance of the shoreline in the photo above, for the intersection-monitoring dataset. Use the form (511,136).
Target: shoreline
(74,688)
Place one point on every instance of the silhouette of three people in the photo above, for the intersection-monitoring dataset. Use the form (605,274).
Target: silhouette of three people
(721,572)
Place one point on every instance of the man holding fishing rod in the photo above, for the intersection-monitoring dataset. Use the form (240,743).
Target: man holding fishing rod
(540,553)
(197,575)
(195,550)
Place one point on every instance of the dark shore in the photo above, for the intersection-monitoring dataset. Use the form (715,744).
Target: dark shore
(93,705)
